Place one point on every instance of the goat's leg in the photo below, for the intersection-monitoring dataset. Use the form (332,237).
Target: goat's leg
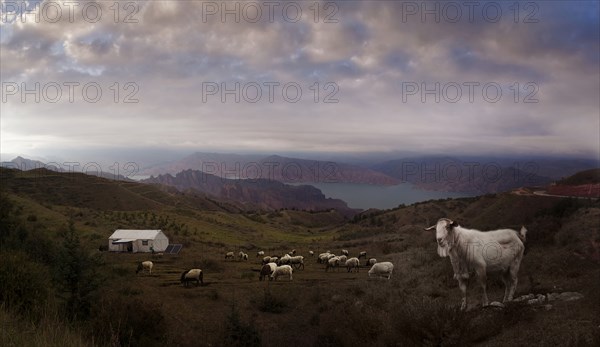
(506,279)
(514,278)
(482,278)
(462,284)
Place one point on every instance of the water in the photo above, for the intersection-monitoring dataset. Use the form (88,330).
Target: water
(365,196)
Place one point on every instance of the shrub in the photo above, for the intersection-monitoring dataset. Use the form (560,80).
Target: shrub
(238,333)
(23,283)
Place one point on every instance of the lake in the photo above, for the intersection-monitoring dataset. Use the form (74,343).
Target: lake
(365,196)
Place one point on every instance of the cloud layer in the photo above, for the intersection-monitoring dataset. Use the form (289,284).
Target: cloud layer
(467,77)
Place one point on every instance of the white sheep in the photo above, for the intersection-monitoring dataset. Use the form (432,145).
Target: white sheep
(353,263)
(382,269)
(345,252)
(292,252)
(145,266)
(311,253)
(260,254)
(242,256)
(191,276)
(267,270)
(266,260)
(284,270)
(297,262)
(284,260)
(362,254)
(323,257)
(333,262)
(472,250)
(343,259)
(229,255)
(371,262)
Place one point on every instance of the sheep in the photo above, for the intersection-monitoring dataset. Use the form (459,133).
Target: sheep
(274,259)
(242,256)
(371,262)
(382,269)
(343,259)
(353,263)
(472,250)
(292,252)
(323,257)
(229,255)
(284,270)
(267,270)
(311,253)
(266,260)
(345,252)
(362,254)
(297,262)
(191,276)
(260,254)
(284,260)
(145,266)
(333,262)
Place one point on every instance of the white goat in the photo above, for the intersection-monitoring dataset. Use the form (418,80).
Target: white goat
(284,270)
(382,269)
(353,263)
(191,276)
(145,266)
(482,252)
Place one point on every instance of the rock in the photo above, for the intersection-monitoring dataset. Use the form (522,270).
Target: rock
(552,296)
(496,304)
(534,302)
(570,296)
(524,298)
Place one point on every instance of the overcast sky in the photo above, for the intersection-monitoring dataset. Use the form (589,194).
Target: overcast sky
(509,77)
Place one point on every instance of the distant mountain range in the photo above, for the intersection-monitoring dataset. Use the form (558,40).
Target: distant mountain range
(260,193)
(278,168)
(24,164)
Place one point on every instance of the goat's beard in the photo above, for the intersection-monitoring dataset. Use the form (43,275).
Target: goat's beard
(442,251)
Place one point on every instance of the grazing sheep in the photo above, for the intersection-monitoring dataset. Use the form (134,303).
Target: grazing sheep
(345,252)
(229,255)
(382,269)
(274,259)
(472,250)
(284,270)
(362,254)
(260,254)
(267,270)
(332,263)
(311,253)
(191,276)
(284,260)
(371,262)
(292,252)
(353,263)
(266,260)
(145,266)
(242,256)
(343,259)
(297,262)
(323,257)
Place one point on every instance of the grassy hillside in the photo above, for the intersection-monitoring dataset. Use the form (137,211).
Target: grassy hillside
(318,308)
(584,177)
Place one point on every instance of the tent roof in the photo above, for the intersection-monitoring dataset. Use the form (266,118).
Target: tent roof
(123,240)
(134,234)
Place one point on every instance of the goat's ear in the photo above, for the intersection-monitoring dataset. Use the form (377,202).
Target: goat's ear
(430,228)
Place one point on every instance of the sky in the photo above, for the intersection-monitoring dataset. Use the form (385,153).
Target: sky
(432,77)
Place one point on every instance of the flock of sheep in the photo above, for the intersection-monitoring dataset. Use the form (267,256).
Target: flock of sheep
(470,251)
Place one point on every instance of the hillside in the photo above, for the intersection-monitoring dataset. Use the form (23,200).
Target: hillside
(582,184)
(417,306)
(261,193)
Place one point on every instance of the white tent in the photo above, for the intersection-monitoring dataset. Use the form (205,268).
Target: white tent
(126,240)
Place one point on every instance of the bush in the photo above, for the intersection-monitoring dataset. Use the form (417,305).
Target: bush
(23,283)
(272,304)
(237,333)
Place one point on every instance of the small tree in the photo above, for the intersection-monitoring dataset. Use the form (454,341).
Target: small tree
(77,275)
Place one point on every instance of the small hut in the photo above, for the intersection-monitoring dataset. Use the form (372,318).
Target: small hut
(127,240)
